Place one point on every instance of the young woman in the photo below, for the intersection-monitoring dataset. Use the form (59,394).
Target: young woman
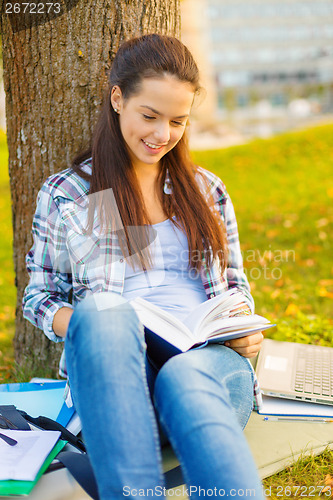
(135,217)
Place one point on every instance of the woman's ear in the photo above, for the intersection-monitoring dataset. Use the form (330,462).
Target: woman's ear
(116,98)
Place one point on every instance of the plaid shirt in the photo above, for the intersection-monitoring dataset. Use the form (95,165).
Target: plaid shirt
(63,262)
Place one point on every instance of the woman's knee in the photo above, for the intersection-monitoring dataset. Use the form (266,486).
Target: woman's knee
(215,371)
(104,317)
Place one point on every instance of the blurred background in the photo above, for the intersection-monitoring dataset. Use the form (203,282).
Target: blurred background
(267,66)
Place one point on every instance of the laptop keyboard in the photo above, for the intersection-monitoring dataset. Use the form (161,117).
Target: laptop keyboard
(314,371)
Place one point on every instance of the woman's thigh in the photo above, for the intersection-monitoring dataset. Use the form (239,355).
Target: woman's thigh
(214,369)
(203,399)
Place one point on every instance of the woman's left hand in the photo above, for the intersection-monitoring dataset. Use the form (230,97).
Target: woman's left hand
(247,346)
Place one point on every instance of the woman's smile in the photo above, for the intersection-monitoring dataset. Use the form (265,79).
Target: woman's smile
(153,148)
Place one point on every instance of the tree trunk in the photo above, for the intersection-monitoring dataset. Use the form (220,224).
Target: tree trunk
(54,75)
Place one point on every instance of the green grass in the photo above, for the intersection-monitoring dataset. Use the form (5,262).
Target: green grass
(7,288)
(282,190)
(304,479)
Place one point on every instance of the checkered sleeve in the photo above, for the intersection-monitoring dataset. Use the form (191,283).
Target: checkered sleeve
(48,266)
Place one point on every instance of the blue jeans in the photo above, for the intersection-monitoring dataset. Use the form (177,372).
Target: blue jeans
(202,398)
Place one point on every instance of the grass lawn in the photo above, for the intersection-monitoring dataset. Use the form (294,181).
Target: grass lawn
(282,190)
(7,288)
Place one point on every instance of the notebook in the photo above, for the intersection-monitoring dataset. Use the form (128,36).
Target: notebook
(296,371)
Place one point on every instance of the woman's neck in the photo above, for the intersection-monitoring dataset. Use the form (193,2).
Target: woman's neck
(147,174)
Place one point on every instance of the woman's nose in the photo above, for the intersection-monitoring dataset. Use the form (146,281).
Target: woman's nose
(162,133)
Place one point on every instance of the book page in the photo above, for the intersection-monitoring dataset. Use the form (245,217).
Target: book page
(163,324)
(219,306)
(231,333)
(237,324)
(23,461)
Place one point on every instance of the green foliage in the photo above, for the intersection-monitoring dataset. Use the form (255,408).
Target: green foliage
(304,329)
(304,479)
(7,288)
(282,190)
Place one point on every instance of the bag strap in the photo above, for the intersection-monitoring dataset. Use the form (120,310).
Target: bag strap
(51,425)
(11,414)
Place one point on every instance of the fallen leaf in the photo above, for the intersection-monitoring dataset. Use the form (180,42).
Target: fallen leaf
(314,248)
(329,484)
(292,309)
(326,282)
(271,233)
(322,222)
(323,292)
(328,479)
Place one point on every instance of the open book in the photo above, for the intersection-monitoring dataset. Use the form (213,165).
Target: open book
(224,317)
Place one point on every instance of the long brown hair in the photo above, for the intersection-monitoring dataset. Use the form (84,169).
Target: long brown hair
(150,56)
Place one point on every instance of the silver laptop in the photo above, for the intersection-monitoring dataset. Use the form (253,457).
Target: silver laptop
(296,371)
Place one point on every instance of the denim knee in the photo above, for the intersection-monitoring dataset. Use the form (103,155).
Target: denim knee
(214,370)
(105,318)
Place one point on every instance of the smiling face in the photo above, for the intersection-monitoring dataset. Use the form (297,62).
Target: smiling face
(153,120)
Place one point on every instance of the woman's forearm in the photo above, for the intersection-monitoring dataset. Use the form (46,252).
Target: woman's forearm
(61,321)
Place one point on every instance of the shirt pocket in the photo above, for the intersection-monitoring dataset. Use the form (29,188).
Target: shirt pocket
(84,247)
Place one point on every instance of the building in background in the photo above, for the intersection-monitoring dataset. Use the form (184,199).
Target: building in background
(196,35)
(267,54)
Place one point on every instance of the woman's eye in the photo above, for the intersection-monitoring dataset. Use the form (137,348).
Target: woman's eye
(179,124)
(148,117)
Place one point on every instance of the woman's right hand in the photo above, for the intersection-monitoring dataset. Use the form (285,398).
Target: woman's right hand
(247,346)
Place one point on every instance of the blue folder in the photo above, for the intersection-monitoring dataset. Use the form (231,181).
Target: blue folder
(42,398)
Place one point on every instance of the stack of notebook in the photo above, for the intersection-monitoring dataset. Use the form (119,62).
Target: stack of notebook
(24,455)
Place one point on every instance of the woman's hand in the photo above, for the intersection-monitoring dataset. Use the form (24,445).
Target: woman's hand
(247,346)
(61,321)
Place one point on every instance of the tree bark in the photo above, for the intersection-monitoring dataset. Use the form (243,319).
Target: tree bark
(54,75)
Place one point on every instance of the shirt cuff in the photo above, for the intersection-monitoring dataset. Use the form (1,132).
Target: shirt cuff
(49,313)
